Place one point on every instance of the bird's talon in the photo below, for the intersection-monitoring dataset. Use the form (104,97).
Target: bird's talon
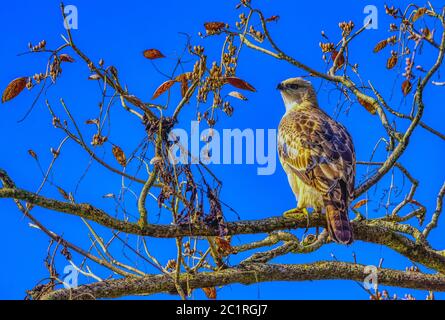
(295,213)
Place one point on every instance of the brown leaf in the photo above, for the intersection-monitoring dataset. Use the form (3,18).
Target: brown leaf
(183,76)
(210,292)
(273,18)
(406,87)
(92,121)
(360,203)
(391,62)
(381,45)
(66,58)
(32,154)
(120,156)
(153,54)
(162,88)
(64,194)
(341,59)
(14,88)
(237,95)
(239,83)
(223,245)
(214,26)
(419,13)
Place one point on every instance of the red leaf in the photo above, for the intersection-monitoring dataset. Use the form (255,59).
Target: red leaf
(340,60)
(162,88)
(273,18)
(153,54)
(406,87)
(240,84)
(14,88)
(214,26)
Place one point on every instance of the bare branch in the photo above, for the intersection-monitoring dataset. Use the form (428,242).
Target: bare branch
(249,274)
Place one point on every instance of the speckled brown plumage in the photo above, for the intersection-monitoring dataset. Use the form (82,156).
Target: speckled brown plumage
(318,156)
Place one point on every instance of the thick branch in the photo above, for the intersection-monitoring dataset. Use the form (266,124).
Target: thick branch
(249,274)
(375,231)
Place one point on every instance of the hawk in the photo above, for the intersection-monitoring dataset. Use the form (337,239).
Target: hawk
(318,156)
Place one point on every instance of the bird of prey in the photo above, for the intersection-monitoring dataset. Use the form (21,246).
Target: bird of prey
(318,156)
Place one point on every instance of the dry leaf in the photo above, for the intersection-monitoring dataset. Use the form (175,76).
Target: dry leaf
(240,84)
(14,88)
(419,13)
(120,156)
(237,95)
(210,292)
(381,45)
(406,87)
(340,61)
(32,154)
(183,76)
(162,88)
(153,54)
(273,18)
(214,26)
(392,61)
(108,195)
(94,77)
(360,203)
(63,193)
(223,245)
(66,58)
(92,121)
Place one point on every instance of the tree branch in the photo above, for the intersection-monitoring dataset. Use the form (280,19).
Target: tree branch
(249,274)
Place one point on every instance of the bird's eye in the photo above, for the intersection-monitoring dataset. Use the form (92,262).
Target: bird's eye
(293,86)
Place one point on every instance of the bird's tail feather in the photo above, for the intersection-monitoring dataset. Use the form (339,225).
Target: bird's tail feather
(339,227)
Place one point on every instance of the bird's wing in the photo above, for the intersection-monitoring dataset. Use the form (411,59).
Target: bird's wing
(317,149)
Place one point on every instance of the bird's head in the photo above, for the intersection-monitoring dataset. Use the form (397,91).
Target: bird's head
(294,91)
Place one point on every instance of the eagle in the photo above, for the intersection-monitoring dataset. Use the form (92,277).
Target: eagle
(318,156)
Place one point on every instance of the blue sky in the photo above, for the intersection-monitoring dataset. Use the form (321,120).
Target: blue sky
(118,33)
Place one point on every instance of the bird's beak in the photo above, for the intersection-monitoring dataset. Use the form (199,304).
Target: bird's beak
(280,86)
